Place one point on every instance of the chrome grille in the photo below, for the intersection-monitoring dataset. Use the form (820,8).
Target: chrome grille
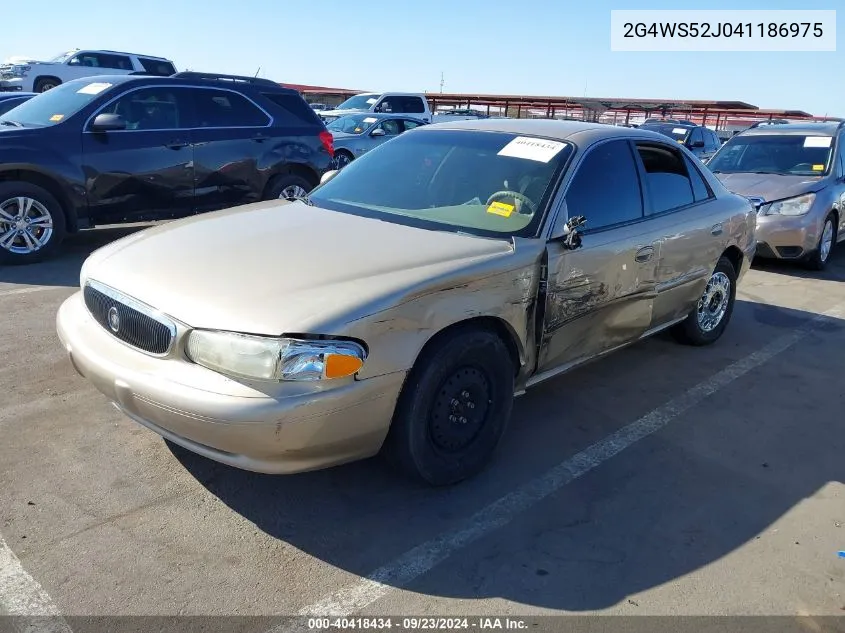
(128,320)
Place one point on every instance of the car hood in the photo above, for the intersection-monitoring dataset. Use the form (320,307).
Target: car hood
(278,267)
(770,187)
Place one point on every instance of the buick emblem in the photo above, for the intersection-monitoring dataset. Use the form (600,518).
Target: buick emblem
(114,319)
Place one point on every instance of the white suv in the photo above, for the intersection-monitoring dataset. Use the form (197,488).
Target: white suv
(29,75)
(415,105)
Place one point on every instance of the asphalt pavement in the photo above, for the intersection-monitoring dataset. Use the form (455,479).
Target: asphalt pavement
(661,480)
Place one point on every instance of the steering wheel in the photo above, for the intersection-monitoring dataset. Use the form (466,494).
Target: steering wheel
(525,200)
(802,167)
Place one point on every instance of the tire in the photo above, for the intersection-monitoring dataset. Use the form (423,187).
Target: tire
(341,159)
(21,248)
(289,182)
(720,287)
(818,259)
(45,83)
(443,431)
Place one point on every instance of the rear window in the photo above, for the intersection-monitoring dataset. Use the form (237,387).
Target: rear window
(674,131)
(157,67)
(295,108)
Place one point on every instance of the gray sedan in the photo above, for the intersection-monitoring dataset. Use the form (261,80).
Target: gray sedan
(357,134)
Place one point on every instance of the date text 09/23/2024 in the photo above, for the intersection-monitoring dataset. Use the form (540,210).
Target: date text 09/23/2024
(424,623)
(724,29)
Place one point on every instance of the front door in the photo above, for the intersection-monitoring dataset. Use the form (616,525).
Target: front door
(231,138)
(147,170)
(600,295)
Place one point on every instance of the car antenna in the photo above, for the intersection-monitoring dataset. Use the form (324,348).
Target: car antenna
(258,71)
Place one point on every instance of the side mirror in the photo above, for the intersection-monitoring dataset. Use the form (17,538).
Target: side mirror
(378,132)
(328,176)
(569,235)
(108,123)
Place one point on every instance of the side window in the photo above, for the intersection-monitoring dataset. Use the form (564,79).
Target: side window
(700,189)
(149,109)
(389,105)
(714,140)
(222,108)
(413,105)
(606,188)
(696,137)
(667,179)
(157,67)
(88,60)
(390,127)
(409,125)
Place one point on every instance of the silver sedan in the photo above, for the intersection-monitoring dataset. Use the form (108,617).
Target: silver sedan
(357,134)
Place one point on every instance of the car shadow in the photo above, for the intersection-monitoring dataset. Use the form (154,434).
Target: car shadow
(665,507)
(835,270)
(63,269)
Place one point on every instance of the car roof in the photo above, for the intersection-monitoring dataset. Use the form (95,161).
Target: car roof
(186,81)
(828,128)
(548,128)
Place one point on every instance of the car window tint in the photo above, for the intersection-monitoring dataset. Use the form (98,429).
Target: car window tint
(410,125)
(390,126)
(696,136)
(667,178)
(221,108)
(149,109)
(157,67)
(700,190)
(413,105)
(606,188)
(120,62)
(294,108)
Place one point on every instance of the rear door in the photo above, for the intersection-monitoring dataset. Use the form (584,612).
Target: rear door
(600,295)
(231,138)
(147,170)
(678,201)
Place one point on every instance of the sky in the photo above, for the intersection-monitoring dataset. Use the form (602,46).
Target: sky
(534,47)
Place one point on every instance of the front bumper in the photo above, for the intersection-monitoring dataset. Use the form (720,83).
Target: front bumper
(299,428)
(11,84)
(787,237)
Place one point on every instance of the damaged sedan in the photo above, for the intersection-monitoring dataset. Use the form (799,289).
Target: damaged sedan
(402,305)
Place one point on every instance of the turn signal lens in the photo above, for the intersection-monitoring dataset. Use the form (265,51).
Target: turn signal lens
(341,365)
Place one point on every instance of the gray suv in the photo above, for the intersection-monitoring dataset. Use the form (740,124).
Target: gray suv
(700,140)
(794,173)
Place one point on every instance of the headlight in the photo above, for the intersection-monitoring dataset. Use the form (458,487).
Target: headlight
(20,71)
(276,359)
(791,206)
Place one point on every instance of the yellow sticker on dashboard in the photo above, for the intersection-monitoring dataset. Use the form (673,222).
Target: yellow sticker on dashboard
(818,167)
(57,117)
(500,208)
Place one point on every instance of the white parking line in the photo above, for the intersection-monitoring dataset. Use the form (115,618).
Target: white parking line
(423,558)
(28,289)
(21,595)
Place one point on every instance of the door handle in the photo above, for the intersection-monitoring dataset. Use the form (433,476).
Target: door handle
(176,144)
(717,229)
(259,138)
(645,254)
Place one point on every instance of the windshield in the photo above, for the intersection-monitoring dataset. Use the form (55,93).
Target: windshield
(484,183)
(787,154)
(359,102)
(673,131)
(55,105)
(61,59)
(352,124)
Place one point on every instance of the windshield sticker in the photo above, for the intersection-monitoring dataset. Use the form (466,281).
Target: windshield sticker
(57,117)
(529,148)
(500,208)
(818,167)
(679,130)
(93,89)
(370,119)
(818,141)
(372,101)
